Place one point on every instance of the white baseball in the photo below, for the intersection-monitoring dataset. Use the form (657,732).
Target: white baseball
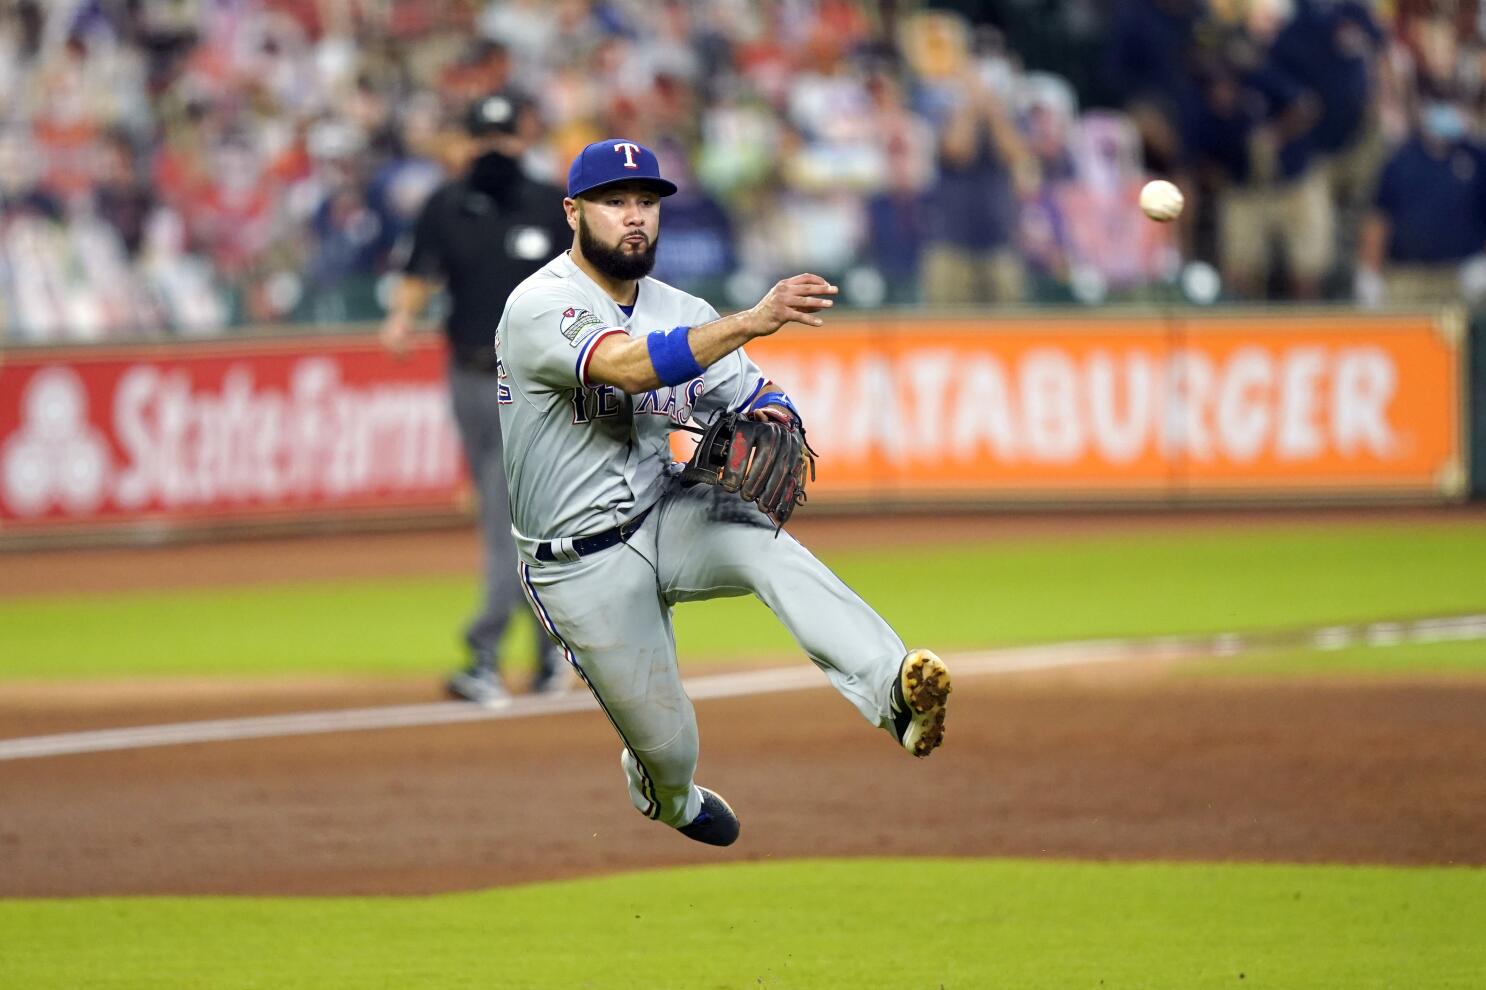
(1160,200)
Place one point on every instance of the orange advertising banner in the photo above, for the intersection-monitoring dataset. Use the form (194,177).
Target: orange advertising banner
(1093,407)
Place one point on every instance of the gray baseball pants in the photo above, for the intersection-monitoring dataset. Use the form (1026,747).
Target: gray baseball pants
(477,415)
(612,610)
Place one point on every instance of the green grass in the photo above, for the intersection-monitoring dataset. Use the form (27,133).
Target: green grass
(371,626)
(951,597)
(973,924)
(1197,582)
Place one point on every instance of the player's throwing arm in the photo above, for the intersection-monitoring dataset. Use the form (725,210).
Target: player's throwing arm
(630,363)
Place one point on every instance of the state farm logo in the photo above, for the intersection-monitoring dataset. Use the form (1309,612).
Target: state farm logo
(56,457)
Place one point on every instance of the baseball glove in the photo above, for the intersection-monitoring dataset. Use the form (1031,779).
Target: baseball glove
(765,462)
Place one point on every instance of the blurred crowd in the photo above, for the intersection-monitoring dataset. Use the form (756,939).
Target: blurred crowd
(184,166)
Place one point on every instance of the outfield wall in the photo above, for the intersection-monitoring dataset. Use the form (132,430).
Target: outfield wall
(905,410)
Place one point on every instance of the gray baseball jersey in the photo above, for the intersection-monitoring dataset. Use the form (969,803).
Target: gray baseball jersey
(582,458)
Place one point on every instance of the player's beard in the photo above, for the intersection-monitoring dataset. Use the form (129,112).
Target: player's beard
(615,262)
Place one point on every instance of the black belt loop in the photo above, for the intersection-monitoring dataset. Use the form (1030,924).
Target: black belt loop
(583,546)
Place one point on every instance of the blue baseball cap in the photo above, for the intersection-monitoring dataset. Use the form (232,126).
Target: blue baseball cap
(615,160)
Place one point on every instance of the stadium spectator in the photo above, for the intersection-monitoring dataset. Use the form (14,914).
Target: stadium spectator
(1149,72)
(895,211)
(1430,213)
(819,132)
(1047,112)
(121,196)
(1251,142)
(972,208)
(1103,252)
(696,252)
(1332,48)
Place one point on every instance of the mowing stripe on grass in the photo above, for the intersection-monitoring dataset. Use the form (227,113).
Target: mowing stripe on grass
(802,925)
(999,661)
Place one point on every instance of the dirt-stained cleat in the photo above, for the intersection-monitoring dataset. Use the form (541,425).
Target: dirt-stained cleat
(919,697)
(715,824)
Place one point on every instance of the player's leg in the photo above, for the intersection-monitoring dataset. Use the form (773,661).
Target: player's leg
(607,613)
(711,544)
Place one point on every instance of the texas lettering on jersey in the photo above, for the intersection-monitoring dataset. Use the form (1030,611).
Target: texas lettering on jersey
(502,390)
(583,456)
(675,402)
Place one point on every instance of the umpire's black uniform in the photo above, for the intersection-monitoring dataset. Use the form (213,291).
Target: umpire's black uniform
(482,235)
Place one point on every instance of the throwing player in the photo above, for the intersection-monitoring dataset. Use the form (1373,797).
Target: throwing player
(598,364)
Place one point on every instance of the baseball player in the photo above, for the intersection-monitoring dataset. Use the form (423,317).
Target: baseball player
(598,364)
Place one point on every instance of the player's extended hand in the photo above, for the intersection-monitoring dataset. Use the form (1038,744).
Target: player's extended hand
(794,300)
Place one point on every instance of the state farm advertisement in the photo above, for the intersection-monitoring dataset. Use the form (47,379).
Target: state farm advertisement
(307,427)
(1102,407)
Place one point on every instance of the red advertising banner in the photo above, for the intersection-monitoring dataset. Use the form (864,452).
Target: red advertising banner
(216,432)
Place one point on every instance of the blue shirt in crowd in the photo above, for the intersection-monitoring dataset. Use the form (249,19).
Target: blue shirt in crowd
(896,234)
(1328,48)
(972,206)
(696,241)
(1435,202)
(1146,52)
(1219,135)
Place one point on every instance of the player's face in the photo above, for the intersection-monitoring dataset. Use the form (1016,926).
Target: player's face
(618,229)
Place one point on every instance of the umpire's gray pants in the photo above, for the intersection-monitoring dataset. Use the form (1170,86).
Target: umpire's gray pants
(477,414)
(612,609)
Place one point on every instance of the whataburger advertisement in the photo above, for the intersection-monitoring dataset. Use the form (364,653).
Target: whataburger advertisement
(1084,407)
(1044,407)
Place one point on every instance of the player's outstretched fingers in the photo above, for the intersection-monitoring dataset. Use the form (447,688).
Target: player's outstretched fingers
(795,300)
(813,285)
(810,303)
(803,316)
(809,294)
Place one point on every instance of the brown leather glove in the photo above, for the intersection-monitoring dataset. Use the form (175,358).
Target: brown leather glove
(765,462)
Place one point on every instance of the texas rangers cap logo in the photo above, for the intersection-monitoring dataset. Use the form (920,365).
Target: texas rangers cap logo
(616,160)
(629,150)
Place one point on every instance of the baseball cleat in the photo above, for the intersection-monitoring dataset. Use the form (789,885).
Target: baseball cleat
(715,824)
(920,694)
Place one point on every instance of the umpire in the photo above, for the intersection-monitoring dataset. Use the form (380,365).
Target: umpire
(481,235)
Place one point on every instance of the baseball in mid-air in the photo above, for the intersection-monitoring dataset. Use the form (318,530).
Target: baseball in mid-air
(1160,200)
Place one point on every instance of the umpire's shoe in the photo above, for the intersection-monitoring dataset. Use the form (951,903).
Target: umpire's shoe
(559,680)
(480,682)
(920,694)
(715,824)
